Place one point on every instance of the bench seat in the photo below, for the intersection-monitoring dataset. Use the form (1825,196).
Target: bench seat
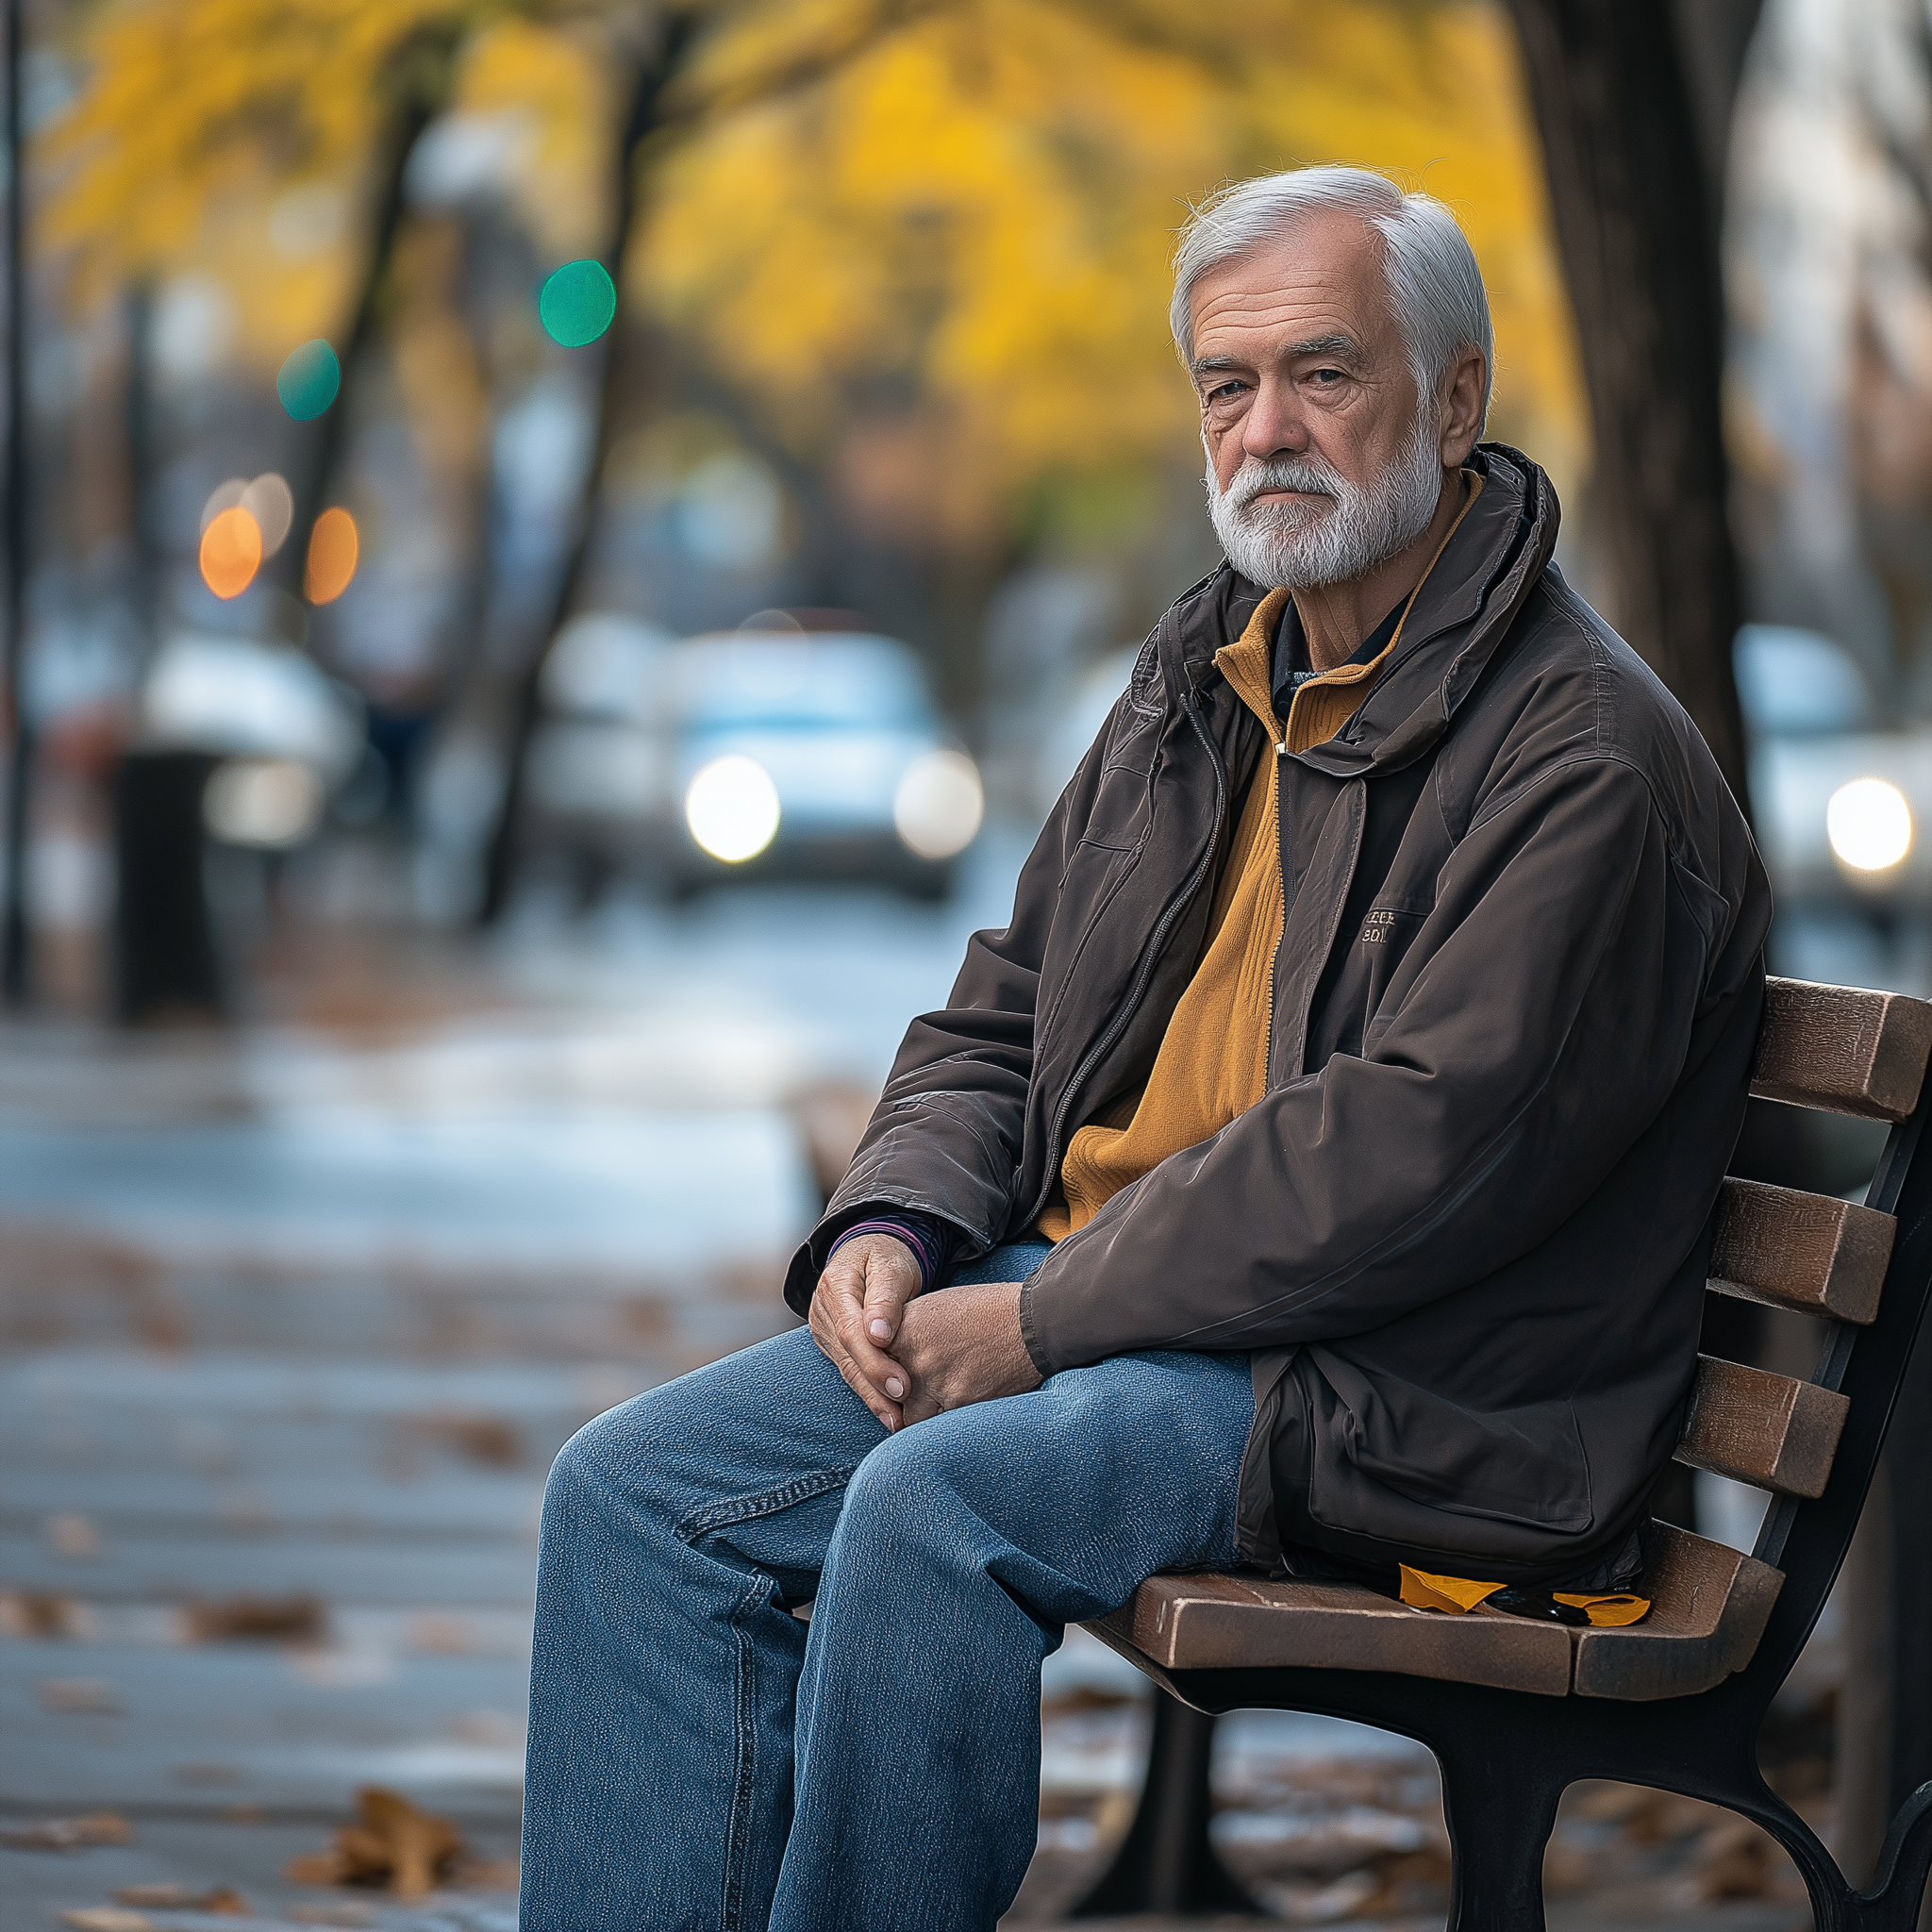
(1709,1605)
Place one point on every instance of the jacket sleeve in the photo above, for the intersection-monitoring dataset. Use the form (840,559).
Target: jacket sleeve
(945,1137)
(1536,1026)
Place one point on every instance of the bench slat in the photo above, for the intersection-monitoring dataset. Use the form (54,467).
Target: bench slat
(1770,1431)
(1842,1049)
(1216,1622)
(1789,1249)
(1708,1607)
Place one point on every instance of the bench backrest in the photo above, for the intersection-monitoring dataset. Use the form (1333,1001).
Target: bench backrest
(1863,1272)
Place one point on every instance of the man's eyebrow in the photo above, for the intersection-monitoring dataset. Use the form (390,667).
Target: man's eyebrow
(1335,343)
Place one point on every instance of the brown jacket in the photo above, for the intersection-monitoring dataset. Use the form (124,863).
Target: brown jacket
(1462,1236)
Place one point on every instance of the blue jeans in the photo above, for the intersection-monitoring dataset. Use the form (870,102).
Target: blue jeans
(700,1758)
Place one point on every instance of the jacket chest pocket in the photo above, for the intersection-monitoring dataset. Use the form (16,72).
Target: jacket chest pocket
(1386,933)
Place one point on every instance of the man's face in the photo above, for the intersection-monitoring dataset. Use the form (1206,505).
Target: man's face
(1321,464)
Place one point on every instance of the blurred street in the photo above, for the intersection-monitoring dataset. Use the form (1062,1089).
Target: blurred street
(295,1319)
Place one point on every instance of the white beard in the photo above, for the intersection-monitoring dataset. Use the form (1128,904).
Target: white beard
(1304,545)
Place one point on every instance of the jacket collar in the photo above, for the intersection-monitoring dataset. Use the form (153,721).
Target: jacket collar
(1464,609)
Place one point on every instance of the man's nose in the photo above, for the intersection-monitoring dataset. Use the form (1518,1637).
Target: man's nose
(1275,427)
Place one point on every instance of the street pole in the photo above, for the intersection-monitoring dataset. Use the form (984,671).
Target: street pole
(14,960)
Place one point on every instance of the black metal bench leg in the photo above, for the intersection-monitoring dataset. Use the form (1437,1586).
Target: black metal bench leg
(1894,1901)
(1501,1807)
(1167,1862)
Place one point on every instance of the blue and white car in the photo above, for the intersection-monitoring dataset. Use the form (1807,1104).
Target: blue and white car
(803,754)
(1842,808)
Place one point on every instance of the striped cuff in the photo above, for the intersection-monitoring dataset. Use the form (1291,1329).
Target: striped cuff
(931,1240)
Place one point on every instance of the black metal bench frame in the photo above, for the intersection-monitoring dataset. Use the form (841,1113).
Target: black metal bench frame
(1506,1756)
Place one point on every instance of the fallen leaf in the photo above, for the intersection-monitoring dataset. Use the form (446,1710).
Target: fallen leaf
(72,1535)
(489,1440)
(79,1694)
(36,1613)
(70,1833)
(1733,1861)
(390,1842)
(165,1896)
(490,1874)
(255,1618)
(107,1919)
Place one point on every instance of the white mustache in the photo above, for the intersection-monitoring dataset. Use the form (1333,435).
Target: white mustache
(1306,479)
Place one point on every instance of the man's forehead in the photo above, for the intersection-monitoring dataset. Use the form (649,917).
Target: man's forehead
(1321,281)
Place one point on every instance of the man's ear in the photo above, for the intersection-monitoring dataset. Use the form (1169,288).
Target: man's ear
(1462,408)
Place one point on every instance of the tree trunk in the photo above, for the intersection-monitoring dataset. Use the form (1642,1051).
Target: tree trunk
(419,78)
(641,118)
(15,949)
(1634,216)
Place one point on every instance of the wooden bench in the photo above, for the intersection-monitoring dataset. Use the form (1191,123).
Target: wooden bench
(1515,1710)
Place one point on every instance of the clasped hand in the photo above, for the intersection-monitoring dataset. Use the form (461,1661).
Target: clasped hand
(906,1356)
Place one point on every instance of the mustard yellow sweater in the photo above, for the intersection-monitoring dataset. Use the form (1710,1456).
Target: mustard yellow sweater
(1212,1064)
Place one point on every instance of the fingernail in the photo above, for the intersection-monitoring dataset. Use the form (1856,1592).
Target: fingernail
(894,1387)
(889,1424)
(882,1331)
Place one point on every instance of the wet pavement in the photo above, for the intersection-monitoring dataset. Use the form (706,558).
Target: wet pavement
(294,1318)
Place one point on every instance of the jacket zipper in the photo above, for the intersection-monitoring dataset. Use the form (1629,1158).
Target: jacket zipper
(1275,957)
(1150,957)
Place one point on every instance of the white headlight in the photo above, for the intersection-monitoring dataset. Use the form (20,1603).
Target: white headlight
(732,808)
(939,804)
(1869,823)
(267,802)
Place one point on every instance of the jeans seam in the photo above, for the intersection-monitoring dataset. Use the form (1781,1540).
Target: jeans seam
(731,1509)
(744,1739)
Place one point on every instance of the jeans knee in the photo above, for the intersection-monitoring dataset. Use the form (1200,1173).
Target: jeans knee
(605,1469)
(900,1495)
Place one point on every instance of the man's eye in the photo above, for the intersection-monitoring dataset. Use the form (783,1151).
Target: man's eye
(1328,377)
(1223,391)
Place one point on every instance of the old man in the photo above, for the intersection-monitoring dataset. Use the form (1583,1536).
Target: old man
(1317,1170)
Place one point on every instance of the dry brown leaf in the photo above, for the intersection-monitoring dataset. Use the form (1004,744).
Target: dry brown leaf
(490,1874)
(69,1534)
(37,1613)
(255,1618)
(489,1440)
(70,1833)
(86,1694)
(390,1843)
(1733,1860)
(317,1868)
(165,1896)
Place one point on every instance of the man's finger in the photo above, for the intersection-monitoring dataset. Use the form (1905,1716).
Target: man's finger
(888,1278)
(865,1288)
(831,1344)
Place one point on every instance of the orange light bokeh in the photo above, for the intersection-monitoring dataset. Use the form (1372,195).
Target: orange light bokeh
(332,546)
(230,552)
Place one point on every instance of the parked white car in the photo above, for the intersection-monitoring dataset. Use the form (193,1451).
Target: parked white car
(1841,807)
(815,755)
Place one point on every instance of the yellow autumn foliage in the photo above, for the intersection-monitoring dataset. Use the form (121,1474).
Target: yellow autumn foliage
(977,211)
(949,214)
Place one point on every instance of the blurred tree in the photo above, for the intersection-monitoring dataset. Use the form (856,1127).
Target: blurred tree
(922,244)
(199,109)
(947,264)
(1633,137)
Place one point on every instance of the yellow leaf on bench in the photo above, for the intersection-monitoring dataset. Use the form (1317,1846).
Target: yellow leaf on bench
(1456,1595)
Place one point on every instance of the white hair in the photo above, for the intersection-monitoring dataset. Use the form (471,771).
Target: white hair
(1434,287)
